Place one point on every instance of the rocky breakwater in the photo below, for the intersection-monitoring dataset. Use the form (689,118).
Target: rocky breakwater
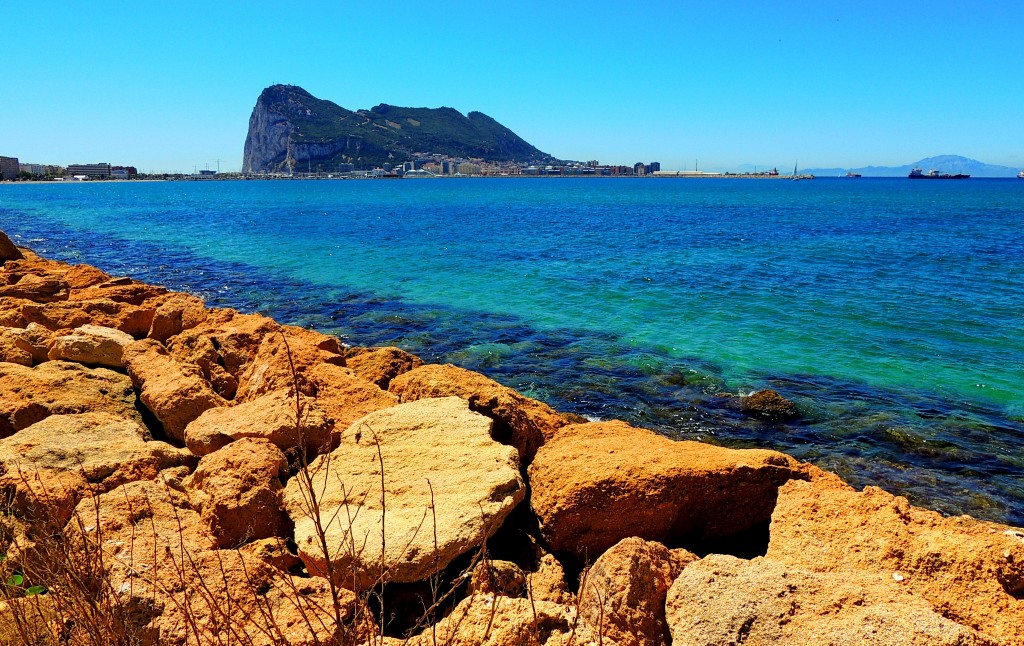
(173,474)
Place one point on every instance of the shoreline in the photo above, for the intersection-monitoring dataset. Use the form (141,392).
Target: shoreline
(211,382)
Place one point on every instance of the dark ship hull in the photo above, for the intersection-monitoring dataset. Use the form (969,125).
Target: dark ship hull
(917,174)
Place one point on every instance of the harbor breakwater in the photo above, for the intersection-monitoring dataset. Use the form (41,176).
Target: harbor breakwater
(230,475)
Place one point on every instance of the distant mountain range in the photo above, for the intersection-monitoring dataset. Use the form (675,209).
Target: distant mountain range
(944,163)
(292,130)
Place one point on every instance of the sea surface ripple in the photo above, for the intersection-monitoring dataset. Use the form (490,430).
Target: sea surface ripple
(891,311)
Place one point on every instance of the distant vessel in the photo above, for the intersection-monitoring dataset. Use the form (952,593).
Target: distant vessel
(852,174)
(1020,175)
(796,176)
(917,173)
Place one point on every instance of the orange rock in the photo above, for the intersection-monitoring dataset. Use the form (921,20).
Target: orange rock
(488,620)
(278,354)
(548,582)
(725,600)
(380,365)
(29,395)
(175,313)
(622,596)
(163,562)
(176,393)
(15,346)
(969,570)
(595,484)
(38,289)
(222,346)
(132,319)
(345,397)
(7,249)
(498,577)
(238,489)
(271,417)
(92,345)
(100,450)
(119,290)
(518,421)
(82,276)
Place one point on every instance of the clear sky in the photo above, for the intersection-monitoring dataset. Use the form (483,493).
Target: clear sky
(169,86)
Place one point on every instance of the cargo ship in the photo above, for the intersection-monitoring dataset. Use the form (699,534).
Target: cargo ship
(917,173)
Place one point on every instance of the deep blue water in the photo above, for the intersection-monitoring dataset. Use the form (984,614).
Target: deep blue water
(891,311)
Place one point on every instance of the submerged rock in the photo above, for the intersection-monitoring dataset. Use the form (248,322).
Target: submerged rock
(769,405)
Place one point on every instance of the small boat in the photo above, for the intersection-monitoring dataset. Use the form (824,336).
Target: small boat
(851,174)
(1020,175)
(917,173)
(796,177)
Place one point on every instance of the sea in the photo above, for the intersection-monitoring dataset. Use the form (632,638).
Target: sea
(890,311)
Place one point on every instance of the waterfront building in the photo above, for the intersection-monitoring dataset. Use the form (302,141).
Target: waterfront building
(9,168)
(37,170)
(639,168)
(653,167)
(91,170)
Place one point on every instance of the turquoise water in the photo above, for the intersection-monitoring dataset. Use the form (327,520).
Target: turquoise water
(891,311)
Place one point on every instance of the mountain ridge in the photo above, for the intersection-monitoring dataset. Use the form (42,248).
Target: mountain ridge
(290,128)
(944,163)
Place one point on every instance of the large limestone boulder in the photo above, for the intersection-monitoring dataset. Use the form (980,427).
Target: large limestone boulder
(238,490)
(29,395)
(106,449)
(725,600)
(518,421)
(622,596)
(596,484)
(966,569)
(442,473)
(176,393)
(7,249)
(92,345)
(381,365)
(271,417)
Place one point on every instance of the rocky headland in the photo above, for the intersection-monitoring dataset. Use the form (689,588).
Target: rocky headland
(176,474)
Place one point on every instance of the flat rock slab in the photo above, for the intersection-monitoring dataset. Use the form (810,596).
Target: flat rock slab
(101,449)
(29,395)
(433,443)
(271,417)
(725,600)
(596,484)
(93,345)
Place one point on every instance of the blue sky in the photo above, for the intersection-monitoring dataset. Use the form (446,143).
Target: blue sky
(169,86)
